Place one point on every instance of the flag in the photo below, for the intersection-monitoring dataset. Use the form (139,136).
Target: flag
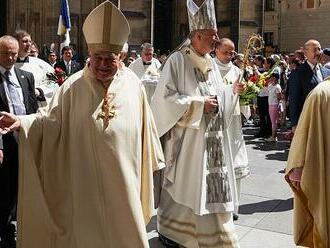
(64,23)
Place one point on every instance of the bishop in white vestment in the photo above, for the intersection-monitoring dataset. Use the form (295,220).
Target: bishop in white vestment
(190,105)
(86,166)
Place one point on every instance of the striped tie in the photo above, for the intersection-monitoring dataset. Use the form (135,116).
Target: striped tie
(16,102)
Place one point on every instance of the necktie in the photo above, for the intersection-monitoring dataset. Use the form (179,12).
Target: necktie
(317,73)
(16,102)
(68,69)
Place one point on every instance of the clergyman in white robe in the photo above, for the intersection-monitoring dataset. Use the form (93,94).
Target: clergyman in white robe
(230,74)
(199,192)
(39,69)
(148,73)
(83,184)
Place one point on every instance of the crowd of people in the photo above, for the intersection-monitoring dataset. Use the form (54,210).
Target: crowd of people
(83,163)
(274,107)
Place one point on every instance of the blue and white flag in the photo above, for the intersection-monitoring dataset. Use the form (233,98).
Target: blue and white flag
(64,23)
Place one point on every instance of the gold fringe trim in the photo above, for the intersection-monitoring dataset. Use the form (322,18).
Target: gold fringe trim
(223,237)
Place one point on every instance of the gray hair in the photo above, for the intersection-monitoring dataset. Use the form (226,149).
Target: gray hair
(146,46)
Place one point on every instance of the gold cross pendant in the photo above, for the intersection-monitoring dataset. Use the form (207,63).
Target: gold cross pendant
(108,111)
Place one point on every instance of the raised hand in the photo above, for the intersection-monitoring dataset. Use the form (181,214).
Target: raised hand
(238,87)
(8,122)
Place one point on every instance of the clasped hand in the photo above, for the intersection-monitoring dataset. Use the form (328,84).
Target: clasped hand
(210,104)
(8,122)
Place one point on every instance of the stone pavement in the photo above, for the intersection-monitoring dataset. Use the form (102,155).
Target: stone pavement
(265,213)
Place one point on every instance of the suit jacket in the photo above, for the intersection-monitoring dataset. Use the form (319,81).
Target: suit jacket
(9,166)
(75,66)
(301,82)
(26,81)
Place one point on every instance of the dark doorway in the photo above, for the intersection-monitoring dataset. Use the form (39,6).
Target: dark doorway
(163,25)
(235,21)
(3,17)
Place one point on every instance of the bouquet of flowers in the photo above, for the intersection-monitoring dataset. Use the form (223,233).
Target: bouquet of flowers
(251,91)
(254,84)
(58,76)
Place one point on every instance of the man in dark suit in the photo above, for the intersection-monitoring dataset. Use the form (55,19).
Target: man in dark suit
(305,78)
(17,95)
(67,64)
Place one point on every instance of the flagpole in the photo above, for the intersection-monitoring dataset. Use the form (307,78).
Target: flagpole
(64,23)
(118,4)
(152,21)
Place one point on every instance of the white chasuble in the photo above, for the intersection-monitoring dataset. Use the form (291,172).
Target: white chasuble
(190,138)
(83,184)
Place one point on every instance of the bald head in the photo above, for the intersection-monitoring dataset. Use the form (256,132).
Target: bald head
(8,39)
(225,50)
(312,51)
(312,43)
(225,42)
(8,51)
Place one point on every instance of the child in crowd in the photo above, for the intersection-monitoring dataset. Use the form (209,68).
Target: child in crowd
(274,97)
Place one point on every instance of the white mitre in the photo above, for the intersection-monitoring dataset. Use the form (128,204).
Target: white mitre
(106,28)
(202,17)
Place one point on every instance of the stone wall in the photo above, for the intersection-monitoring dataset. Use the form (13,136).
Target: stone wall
(291,26)
(40,19)
(298,24)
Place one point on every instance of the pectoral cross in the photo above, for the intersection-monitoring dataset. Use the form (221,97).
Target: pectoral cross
(108,111)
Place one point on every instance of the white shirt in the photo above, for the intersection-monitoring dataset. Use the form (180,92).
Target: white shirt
(273,90)
(13,79)
(263,92)
(316,68)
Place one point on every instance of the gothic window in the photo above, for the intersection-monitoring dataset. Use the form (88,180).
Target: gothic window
(310,4)
(269,5)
